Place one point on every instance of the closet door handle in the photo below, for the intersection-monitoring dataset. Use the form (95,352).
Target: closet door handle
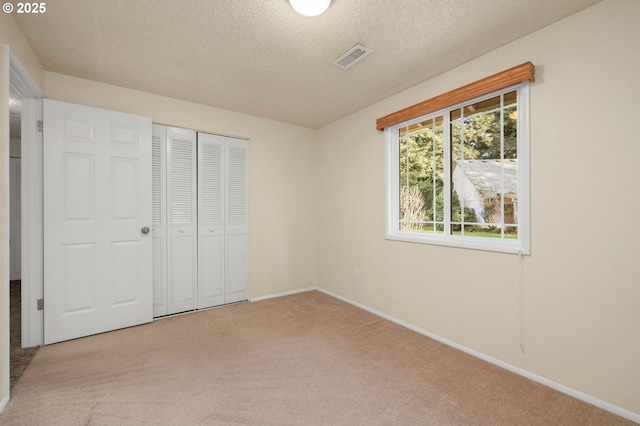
(145,230)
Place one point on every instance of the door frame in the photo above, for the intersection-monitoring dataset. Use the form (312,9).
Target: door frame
(19,79)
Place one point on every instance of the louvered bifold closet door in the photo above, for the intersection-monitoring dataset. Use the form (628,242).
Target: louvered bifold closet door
(210,220)
(236,218)
(159,218)
(182,218)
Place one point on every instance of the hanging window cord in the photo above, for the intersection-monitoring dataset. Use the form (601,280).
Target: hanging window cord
(521,291)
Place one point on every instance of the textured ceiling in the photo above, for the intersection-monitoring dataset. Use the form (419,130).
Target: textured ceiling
(259,57)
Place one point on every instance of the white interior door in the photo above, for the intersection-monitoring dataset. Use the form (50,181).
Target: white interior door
(159,184)
(16,218)
(237,223)
(182,220)
(97,205)
(211,256)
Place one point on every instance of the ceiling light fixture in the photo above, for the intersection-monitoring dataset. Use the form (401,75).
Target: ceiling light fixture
(310,7)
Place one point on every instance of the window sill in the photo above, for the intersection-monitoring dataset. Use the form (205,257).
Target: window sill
(472,243)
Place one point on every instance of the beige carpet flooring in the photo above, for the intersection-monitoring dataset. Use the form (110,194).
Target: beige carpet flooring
(305,359)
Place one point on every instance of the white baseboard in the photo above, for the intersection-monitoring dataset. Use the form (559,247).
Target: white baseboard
(634,417)
(286,293)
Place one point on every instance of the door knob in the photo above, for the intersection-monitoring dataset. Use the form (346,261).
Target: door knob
(145,230)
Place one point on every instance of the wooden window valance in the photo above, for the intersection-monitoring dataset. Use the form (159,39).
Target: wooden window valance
(496,81)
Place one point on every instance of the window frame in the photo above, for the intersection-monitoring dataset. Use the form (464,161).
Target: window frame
(520,245)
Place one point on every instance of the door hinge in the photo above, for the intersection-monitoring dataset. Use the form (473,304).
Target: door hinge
(39,125)
(40,304)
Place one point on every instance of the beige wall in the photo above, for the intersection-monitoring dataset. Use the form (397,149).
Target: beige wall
(581,282)
(282,245)
(9,35)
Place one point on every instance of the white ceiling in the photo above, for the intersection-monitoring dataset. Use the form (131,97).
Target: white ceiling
(259,57)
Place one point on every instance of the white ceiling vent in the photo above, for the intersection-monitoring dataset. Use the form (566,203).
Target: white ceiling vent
(354,55)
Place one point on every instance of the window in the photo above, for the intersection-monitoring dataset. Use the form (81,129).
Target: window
(459,176)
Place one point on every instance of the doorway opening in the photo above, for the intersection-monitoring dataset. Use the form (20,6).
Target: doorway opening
(22,278)
(19,357)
